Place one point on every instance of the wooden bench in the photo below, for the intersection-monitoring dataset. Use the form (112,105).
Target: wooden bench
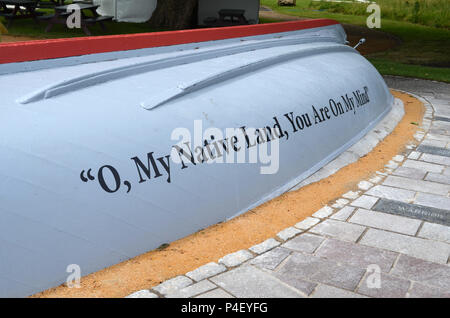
(232,17)
(22,9)
(51,16)
(99,20)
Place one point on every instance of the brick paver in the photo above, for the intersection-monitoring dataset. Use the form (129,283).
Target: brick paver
(305,243)
(388,237)
(385,221)
(235,259)
(206,271)
(272,259)
(248,281)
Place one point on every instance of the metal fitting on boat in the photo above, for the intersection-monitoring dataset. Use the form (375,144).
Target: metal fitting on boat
(362,41)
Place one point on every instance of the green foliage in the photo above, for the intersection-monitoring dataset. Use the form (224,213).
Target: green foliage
(434,13)
(423,51)
(28,28)
(392,68)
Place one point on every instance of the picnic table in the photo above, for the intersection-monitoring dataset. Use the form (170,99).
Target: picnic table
(232,17)
(61,15)
(22,9)
(227,17)
(50,3)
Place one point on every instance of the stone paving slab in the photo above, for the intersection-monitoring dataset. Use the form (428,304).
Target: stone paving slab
(422,271)
(433,251)
(143,294)
(433,201)
(391,193)
(216,293)
(387,237)
(440,178)
(410,173)
(307,223)
(446,171)
(385,221)
(302,285)
(288,233)
(343,214)
(235,259)
(264,246)
(417,185)
(249,282)
(337,229)
(425,166)
(324,291)
(440,151)
(324,212)
(271,259)
(432,143)
(356,254)
(365,201)
(435,159)
(193,290)
(321,270)
(173,285)
(440,118)
(424,291)
(305,243)
(391,287)
(435,232)
(206,271)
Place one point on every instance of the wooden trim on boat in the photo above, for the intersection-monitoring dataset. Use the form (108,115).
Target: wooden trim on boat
(60,48)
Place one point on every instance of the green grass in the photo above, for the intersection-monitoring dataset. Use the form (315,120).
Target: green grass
(392,68)
(435,13)
(28,28)
(420,45)
(423,51)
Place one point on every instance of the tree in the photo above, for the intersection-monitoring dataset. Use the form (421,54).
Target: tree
(175,14)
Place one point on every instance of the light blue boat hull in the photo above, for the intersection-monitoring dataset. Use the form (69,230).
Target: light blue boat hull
(66,121)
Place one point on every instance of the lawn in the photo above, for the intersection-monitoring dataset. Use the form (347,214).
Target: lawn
(28,28)
(435,13)
(423,50)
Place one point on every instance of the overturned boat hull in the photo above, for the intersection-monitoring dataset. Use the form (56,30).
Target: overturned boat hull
(111,153)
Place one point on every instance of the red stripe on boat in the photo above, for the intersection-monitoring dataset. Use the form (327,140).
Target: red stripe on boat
(59,48)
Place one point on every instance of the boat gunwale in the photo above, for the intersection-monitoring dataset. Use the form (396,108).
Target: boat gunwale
(68,47)
(95,78)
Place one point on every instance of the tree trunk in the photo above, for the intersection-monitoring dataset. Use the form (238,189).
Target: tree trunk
(175,14)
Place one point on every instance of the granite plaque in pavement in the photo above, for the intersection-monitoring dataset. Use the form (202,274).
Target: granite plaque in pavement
(434,150)
(442,118)
(416,211)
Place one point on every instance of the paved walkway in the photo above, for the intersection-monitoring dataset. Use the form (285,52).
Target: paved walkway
(391,238)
